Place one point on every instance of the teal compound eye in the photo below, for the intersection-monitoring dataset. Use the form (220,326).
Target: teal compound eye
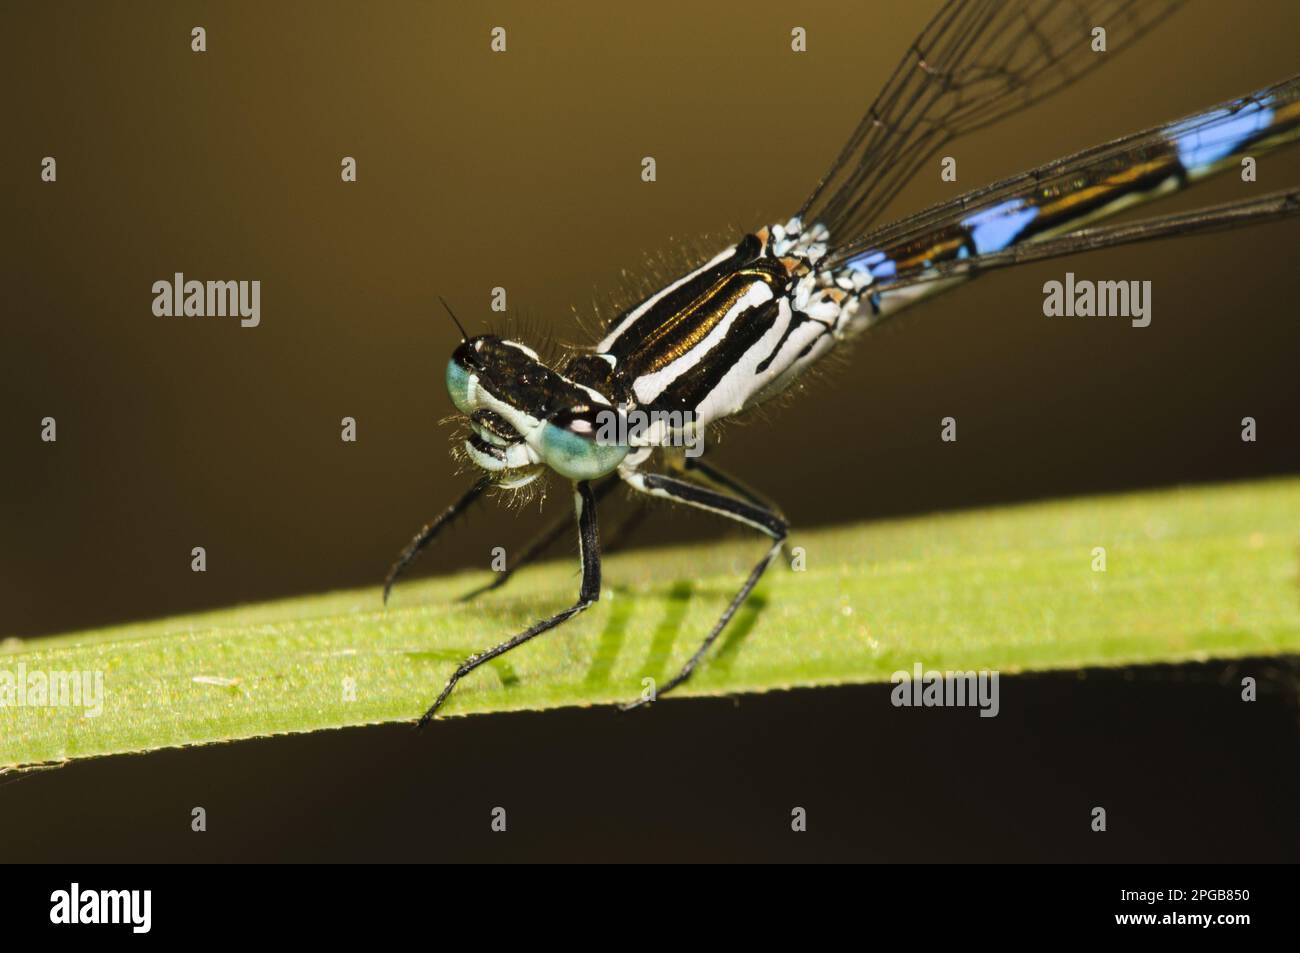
(458,386)
(582,445)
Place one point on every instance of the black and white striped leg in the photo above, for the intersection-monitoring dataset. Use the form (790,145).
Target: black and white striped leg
(546,540)
(759,517)
(584,503)
(432,529)
(727,481)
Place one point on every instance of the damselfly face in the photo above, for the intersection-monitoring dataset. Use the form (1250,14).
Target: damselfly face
(525,416)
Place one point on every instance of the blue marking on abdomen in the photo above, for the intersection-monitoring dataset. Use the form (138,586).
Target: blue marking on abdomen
(992,229)
(998,227)
(874,262)
(1225,132)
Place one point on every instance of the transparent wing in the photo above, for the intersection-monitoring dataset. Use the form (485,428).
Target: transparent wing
(977,61)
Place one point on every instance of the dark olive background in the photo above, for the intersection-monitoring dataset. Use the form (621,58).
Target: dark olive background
(522,170)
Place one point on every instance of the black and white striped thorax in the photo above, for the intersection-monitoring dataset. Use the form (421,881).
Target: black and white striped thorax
(719,340)
(730,334)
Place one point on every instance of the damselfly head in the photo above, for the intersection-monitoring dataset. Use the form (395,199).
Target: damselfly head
(524,416)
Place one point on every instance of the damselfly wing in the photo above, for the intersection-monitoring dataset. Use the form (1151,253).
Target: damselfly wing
(742,326)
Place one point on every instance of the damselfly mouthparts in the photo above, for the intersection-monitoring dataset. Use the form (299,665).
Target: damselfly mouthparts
(741,327)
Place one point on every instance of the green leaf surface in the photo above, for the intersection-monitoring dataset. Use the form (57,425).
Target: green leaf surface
(1190,574)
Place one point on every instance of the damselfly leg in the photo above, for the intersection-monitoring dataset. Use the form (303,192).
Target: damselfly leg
(432,529)
(757,516)
(621,532)
(727,481)
(584,503)
(544,541)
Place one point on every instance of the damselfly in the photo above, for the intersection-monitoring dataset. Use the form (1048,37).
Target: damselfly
(741,327)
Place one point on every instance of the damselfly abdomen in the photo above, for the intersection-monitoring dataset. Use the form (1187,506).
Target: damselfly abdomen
(741,327)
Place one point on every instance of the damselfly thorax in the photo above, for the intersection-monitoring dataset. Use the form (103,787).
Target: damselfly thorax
(743,326)
(717,341)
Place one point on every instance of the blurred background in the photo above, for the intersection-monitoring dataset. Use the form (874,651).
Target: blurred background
(522,170)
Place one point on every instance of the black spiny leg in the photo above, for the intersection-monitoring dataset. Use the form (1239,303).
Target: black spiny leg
(760,517)
(544,542)
(589,546)
(728,482)
(430,530)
